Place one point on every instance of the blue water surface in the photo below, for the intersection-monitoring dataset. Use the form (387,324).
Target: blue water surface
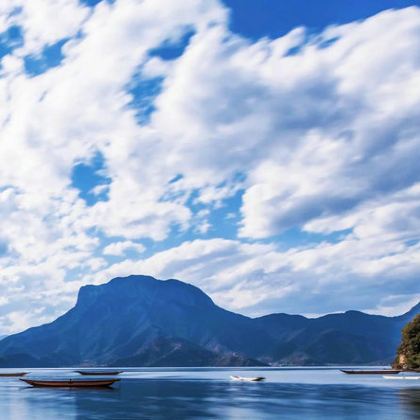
(196,393)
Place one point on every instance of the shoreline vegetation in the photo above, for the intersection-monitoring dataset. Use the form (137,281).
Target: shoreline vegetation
(408,354)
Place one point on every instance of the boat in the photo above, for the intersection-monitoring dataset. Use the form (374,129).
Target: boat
(70,383)
(402,377)
(12,374)
(99,372)
(370,372)
(247,379)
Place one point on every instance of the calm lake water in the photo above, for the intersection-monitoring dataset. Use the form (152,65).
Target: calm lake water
(194,393)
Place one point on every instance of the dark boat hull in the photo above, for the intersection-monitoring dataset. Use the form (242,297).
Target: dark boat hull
(371,372)
(98,373)
(12,374)
(70,383)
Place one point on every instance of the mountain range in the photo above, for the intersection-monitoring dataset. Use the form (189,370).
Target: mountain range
(141,321)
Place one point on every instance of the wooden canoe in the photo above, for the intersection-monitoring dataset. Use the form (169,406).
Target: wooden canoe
(99,372)
(70,383)
(370,372)
(12,374)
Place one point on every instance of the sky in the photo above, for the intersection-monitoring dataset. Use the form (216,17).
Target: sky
(265,151)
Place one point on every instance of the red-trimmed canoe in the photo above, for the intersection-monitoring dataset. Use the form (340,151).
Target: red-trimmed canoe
(70,383)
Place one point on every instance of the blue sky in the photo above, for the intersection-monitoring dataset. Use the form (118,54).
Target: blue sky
(265,151)
(256,19)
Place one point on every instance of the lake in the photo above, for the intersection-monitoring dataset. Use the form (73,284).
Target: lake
(194,393)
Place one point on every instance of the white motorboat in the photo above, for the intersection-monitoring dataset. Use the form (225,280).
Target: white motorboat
(247,379)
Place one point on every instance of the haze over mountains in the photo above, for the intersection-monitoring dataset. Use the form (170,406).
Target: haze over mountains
(141,321)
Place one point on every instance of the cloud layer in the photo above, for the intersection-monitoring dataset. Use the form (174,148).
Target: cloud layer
(305,146)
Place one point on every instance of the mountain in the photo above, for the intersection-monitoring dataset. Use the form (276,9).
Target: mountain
(138,320)
(348,338)
(141,321)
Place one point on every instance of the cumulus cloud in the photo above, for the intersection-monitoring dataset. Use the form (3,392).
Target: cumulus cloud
(316,133)
(64,19)
(64,116)
(120,248)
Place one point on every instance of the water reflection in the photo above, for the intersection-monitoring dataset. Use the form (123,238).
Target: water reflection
(410,399)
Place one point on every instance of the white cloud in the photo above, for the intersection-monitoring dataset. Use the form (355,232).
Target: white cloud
(45,22)
(63,116)
(120,248)
(324,140)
